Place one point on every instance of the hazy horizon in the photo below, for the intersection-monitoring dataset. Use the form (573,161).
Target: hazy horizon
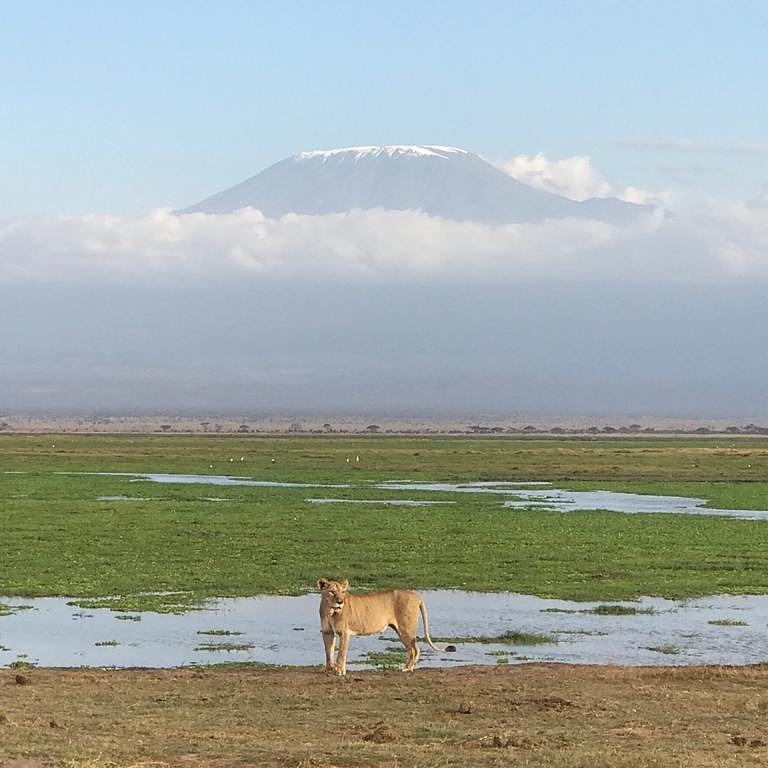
(687,351)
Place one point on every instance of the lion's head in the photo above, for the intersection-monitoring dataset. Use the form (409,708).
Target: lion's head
(332,594)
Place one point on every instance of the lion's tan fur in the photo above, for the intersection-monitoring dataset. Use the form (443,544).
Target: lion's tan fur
(344,614)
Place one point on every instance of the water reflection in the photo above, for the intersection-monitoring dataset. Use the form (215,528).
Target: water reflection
(555,499)
(285,630)
(520,495)
(628,503)
(220,480)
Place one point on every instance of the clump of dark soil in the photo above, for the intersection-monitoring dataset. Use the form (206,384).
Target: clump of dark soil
(382,734)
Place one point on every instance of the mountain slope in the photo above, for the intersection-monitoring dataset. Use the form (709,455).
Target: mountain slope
(441,181)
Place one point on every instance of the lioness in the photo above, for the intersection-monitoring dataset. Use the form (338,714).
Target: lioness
(345,614)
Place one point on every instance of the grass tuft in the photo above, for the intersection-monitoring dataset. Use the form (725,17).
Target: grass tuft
(224,647)
(510,637)
(729,623)
(618,610)
(669,650)
(393,657)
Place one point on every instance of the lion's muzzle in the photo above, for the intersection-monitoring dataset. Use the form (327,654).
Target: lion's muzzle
(337,606)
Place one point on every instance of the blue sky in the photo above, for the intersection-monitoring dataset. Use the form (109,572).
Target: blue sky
(124,107)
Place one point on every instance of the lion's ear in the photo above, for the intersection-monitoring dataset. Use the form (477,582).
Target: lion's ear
(322,584)
(344,584)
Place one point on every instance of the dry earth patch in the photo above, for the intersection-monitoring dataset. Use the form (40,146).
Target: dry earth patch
(532,715)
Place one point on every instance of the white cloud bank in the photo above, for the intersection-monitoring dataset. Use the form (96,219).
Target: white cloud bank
(709,244)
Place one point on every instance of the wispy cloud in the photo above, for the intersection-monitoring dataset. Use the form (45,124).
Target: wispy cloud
(687,145)
(576,178)
(573,177)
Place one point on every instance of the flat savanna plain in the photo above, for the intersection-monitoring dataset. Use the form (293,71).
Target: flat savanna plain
(66,534)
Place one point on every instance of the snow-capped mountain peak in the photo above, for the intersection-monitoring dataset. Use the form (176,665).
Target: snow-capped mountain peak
(445,182)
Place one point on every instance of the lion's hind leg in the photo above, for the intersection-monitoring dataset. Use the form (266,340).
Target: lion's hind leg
(407,628)
(413,655)
(412,647)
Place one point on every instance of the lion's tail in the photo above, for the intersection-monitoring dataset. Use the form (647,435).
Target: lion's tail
(434,647)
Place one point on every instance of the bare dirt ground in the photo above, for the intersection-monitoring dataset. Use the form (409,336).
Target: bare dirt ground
(531,715)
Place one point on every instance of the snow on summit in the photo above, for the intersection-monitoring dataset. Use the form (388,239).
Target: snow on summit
(358,153)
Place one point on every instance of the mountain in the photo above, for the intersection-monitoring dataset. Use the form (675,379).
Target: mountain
(441,181)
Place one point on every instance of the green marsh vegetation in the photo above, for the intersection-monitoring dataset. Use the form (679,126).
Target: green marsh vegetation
(667,650)
(392,657)
(604,610)
(21,664)
(618,610)
(9,610)
(509,637)
(224,647)
(63,535)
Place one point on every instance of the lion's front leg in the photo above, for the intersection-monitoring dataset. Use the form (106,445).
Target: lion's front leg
(329,640)
(341,658)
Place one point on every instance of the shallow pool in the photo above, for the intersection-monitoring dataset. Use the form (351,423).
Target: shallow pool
(285,630)
(514,495)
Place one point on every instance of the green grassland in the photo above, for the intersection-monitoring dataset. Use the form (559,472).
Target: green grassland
(58,538)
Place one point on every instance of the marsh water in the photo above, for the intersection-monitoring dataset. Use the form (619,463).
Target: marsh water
(285,631)
(513,495)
